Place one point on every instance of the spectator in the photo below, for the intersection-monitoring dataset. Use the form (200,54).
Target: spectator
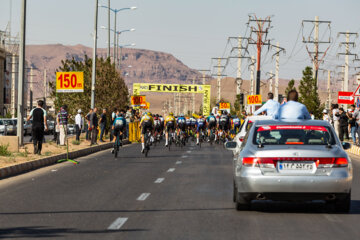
(356,115)
(39,124)
(292,109)
(326,116)
(62,120)
(270,107)
(102,123)
(343,125)
(336,118)
(88,129)
(113,116)
(352,126)
(312,116)
(78,125)
(128,117)
(93,126)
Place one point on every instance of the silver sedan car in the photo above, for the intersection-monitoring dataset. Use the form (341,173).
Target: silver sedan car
(292,161)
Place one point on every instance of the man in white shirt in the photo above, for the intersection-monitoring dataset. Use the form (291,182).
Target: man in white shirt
(270,107)
(326,116)
(78,125)
(336,118)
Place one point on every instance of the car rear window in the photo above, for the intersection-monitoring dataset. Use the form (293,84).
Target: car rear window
(293,135)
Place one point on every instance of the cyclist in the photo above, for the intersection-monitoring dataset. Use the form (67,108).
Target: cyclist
(181,124)
(236,123)
(169,125)
(211,124)
(224,122)
(146,123)
(157,125)
(200,126)
(119,127)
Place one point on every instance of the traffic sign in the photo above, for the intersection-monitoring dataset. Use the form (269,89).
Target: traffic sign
(137,101)
(224,105)
(345,98)
(69,82)
(254,100)
(357,91)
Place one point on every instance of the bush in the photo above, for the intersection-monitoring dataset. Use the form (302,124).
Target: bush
(75,142)
(4,150)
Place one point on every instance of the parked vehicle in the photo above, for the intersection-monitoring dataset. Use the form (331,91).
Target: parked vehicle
(292,161)
(51,127)
(71,129)
(9,124)
(27,127)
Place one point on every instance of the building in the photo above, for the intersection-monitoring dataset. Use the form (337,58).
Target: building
(2,74)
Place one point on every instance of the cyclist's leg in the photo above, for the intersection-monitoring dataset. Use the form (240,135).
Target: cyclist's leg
(166,135)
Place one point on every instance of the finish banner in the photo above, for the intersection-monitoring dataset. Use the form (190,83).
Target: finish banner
(176,88)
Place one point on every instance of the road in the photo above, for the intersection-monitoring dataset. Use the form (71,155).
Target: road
(181,194)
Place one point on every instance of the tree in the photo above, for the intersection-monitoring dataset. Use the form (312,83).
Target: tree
(110,92)
(291,86)
(309,94)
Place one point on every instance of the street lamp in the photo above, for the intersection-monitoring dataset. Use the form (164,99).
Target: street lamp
(116,52)
(115,11)
(122,46)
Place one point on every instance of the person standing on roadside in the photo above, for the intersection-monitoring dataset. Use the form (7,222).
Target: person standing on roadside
(78,125)
(292,109)
(128,117)
(343,125)
(326,116)
(352,126)
(93,126)
(88,129)
(336,118)
(102,124)
(62,120)
(39,124)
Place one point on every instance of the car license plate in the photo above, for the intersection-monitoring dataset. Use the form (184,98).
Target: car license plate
(296,166)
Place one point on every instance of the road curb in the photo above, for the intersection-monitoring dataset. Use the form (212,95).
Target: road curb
(43,162)
(354,150)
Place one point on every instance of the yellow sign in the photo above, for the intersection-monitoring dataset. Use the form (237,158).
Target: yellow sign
(69,82)
(224,106)
(137,101)
(147,106)
(254,100)
(176,88)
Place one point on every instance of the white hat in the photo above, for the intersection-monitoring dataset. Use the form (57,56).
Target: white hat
(325,111)
(79,111)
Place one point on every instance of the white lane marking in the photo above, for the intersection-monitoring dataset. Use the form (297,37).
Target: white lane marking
(171,170)
(332,218)
(117,224)
(188,151)
(143,196)
(54,170)
(184,156)
(179,162)
(159,180)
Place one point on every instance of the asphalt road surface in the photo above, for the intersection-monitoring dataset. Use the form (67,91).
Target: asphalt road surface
(182,194)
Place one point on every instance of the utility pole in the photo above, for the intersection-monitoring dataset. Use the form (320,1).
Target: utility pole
(20,111)
(271,81)
(347,53)
(203,72)
(31,88)
(252,77)
(328,89)
(261,29)
(277,67)
(239,58)
(109,27)
(93,77)
(315,55)
(14,73)
(219,75)
(45,87)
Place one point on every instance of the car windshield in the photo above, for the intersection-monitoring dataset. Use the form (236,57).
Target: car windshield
(293,135)
(7,122)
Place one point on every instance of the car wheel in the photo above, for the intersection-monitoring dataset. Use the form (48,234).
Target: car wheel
(241,203)
(343,205)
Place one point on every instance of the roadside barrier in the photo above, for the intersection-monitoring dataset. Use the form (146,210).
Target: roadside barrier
(134,131)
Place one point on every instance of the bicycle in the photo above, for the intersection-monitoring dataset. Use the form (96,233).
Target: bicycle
(118,144)
(147,139)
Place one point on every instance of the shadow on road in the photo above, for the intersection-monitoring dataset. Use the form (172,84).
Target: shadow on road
(46,232)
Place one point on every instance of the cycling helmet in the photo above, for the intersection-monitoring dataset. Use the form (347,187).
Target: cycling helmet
(212,114)
(149,114)
(182,115)
(225,112)
(171,114)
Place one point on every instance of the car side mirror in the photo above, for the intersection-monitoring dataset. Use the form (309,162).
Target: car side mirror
(346,145)
(230,145)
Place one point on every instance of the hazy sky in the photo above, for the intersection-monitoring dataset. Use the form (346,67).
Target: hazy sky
(192,30)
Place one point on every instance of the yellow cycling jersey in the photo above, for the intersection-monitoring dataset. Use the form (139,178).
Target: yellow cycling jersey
(169,119)
(146,118)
